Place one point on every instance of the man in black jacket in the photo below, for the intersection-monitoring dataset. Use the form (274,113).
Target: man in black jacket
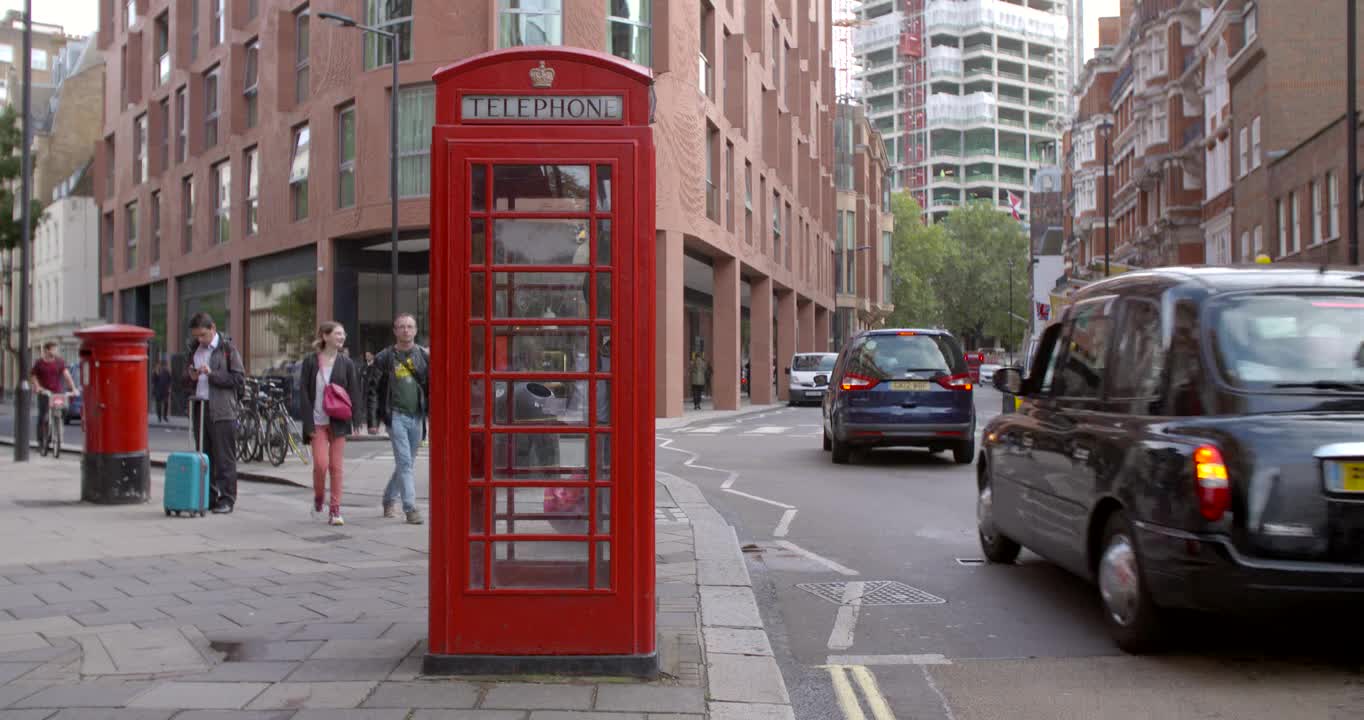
(398,397)
(215,377)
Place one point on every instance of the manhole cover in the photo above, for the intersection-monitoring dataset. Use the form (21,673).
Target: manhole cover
(874,592)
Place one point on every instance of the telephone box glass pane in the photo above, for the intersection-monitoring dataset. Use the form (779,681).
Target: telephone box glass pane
(540,402)
(476,402)
(604,510)
(603,402)
(540,241)
(603,565)
(540,564)
(603,295)
(539,456)
(476,295)
(540,188)
(603,242)
(541,349)
(478,235)
(603,188)
(603,458)
(478,188)
(477,507)
(540,295)
(604,348)
(478,445)
(476,565)
(476,347)
(540,511)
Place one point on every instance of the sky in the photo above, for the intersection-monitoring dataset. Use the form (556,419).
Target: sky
(1093,10)
(77,17)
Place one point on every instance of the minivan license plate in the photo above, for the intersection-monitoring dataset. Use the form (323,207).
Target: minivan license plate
(916,386)
(1352,475)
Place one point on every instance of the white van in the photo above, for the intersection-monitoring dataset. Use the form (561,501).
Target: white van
(809,376)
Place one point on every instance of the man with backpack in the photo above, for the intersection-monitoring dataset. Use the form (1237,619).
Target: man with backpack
(215,377)
(398,394)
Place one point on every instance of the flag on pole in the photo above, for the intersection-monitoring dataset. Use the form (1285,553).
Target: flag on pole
(1015,206)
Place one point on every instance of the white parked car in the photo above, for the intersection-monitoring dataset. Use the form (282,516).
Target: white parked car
(809,376)
(987,372)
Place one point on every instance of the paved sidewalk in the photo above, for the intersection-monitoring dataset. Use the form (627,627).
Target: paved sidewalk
(120,613)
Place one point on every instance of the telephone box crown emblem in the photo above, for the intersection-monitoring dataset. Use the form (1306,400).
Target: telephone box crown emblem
(542,77)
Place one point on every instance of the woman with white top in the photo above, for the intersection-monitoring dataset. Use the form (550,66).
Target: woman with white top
(326,424)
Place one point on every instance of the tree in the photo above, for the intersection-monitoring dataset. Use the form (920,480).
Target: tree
(956,274)
(917,257)
(11,145)
(293,319)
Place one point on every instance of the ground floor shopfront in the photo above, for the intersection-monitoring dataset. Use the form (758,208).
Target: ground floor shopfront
(270,305)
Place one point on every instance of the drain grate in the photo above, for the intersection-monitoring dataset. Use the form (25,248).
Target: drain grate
(874,592)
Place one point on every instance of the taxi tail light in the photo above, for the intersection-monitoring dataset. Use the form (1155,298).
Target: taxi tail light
(853,381)
(955,382)
(1213,484)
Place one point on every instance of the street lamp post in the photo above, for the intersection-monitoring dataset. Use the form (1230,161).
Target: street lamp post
(1107,127)
(1351,134)
(21,390)
(1011,311)
(393,41)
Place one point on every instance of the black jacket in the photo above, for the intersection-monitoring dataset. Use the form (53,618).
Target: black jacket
(226,378)
(382,385)
(345,374)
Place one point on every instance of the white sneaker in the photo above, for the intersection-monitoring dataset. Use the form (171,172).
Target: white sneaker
(319,512)
(337,521)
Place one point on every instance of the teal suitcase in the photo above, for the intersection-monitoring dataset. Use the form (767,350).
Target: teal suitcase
(187,474)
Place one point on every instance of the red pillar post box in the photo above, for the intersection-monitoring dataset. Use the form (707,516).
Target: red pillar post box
(542,291)
(115,467)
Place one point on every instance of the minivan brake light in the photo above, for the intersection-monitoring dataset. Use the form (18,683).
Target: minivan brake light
(853,381)
(955,382)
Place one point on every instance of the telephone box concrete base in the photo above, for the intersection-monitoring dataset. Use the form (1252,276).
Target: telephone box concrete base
(639,666)
(116,478)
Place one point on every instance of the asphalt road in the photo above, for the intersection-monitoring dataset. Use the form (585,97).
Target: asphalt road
(979,641)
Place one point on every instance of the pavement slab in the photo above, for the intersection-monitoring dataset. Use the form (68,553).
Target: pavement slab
(199,695)
(290,695)
(530,696)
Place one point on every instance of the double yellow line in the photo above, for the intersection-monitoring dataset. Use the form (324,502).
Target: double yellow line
(844,678)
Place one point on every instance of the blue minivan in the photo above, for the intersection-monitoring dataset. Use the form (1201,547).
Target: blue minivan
(907,387)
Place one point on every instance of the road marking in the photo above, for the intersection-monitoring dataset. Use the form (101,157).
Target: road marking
(711,429)
(768,430)
(731,476)
(880,709)
(847,698)
(845,625)
(826,562)
(740,493)
(872,660)
(784,526)
(928,678)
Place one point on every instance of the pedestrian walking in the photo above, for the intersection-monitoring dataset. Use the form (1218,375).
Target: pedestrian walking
(700,373)
(398,398)
(215,377)
(161,390)
(332,393)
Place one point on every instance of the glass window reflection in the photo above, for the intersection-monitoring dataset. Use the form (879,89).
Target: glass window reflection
(540,188)
(537,295)
(540,242)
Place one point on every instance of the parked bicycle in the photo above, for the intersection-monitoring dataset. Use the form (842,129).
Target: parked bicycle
(266,431)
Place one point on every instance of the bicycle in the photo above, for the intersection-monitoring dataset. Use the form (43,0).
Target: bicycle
(281,434)
(248,423)
(56,423)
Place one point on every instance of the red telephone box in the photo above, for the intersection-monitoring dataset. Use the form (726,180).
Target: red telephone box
(542,293)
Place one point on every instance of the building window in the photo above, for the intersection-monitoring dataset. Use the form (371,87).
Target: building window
(529,22)
(252,9)
(252,160)
(193,29)
(1159,123)
(163,135)
(1245,247)
(130,228)
(1158,53)
(130,14)
(1258,240)
(298,175)
(1250,21)
(211,108)
(222,202)
(1255,143)
(6,53)
(728,184)
(181,126)
(416,114)
(106,264)
(39,59)
(302,74)
(109,158)
(1243,151)
(140,149)
(394,16)
(1282,219)
(156,226)
(712,170)
(1316,211)
(1297,222)
(345,167)
(163,61)
(629,26)
(251,89)
(218,31)
(776,225)
(1333,194)
(187,214)
(748,202)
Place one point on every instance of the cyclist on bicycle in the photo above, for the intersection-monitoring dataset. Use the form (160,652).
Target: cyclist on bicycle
(46,379)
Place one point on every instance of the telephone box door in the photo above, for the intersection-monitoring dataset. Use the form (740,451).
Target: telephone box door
(545,513)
